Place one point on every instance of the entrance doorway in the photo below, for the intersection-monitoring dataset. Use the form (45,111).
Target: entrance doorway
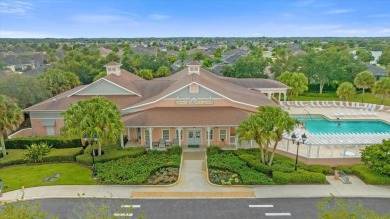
(194,137)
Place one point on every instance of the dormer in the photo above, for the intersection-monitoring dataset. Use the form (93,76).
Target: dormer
(193,68)
(113,68)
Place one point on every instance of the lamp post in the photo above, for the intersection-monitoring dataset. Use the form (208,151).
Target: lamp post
(91,142)
(294,137)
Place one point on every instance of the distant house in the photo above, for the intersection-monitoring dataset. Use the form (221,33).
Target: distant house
(376,71)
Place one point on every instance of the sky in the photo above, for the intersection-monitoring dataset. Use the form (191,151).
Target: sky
(196,18)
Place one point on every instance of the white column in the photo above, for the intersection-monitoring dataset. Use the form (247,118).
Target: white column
(285,97)
(128,133)
(279,96)
(236,139)
(269,95)
(179,137)
(150,138)
(208,136)
(121,140)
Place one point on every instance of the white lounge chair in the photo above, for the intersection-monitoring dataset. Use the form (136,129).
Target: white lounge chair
(381,107)
(347,104)
(297,104)
(365,105)
(288,103)
(341,104)
(353,104)
(312,104)
(302,104)
(369,106)
(335,104)
(357,105)
(372,111)
(373,106)
(324,104)
(318,103)
(368,112)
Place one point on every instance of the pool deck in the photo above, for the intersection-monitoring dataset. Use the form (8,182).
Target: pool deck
(328,112)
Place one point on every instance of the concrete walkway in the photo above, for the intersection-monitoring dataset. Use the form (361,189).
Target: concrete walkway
(193,184)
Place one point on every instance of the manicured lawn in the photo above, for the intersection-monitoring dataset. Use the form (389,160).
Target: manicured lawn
(15,177)
(368,98)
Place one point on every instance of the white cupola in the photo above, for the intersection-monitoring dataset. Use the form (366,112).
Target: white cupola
(113,68)
(194,68)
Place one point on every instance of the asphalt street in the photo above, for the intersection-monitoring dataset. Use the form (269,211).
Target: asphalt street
(202,208)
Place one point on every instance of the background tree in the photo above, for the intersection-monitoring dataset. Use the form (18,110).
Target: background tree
(364,80)
(382,88)
(377,158)
(11,116)
(246,67)
(146,74)
(162,71)
(364,55)
(26,89)
(207,62)
(345,91)
(182,56)
(297,82)
(58,81)
(384,59)
(199,56)
(95,116)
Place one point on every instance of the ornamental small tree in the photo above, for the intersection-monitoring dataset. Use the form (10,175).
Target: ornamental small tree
(346,90)
(297,82)
(382,88)
(146,74)
(377,157)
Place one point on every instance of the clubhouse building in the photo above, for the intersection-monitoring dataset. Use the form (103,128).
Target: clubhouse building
(190,107)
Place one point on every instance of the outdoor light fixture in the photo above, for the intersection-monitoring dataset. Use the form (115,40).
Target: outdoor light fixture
(294,137)
(91,142)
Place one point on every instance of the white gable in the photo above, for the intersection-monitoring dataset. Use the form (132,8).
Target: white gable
(103,87)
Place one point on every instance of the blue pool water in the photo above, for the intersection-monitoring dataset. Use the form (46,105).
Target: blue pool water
(319,125)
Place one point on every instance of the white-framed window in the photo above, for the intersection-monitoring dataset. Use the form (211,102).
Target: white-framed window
(50,130)
(146,135)
(166,134)
(211,134)
(177,135)
(222,134)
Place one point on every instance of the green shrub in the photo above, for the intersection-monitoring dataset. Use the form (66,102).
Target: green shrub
(134,170)
(327,170)
(36,152)
(175,150)
(54,141)
(111,152)
(228,161)
(377,158)
(345,169)
(370,177)
(255,163)
(213,150)
(298,177)
(63,155)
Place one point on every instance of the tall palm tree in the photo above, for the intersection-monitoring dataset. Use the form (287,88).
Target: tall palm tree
(364,80)
(93,117)
(382,88)
(11,116)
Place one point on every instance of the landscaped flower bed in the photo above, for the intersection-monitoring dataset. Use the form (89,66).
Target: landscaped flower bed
(137,170)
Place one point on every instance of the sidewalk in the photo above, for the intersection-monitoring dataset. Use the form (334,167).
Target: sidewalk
(193,184)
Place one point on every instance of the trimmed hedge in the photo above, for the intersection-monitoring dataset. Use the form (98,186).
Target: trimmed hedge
(345,169)
(254,162)
(54,141)
(298,177)
(111,152)
(175,150)
(18,156)
(327,170)
(370,177)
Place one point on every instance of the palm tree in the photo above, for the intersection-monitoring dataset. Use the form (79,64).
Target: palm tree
(95,116)
(346,90)
(364,80)
(382,88)
(267,125)
(11,116)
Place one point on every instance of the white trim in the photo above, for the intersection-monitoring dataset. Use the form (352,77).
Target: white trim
(104,94)
(169,134)
(211,135)
(177,134)
(246,104)
(12,135)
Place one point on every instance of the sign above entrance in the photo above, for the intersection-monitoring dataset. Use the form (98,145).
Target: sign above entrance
(194,101)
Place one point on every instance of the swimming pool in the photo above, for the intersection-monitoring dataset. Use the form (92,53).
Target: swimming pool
(321,125)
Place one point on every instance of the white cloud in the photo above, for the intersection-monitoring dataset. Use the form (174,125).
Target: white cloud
(384,30)
(27,34)
(351,31)
(338,11)
(158,17)
(15,7)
